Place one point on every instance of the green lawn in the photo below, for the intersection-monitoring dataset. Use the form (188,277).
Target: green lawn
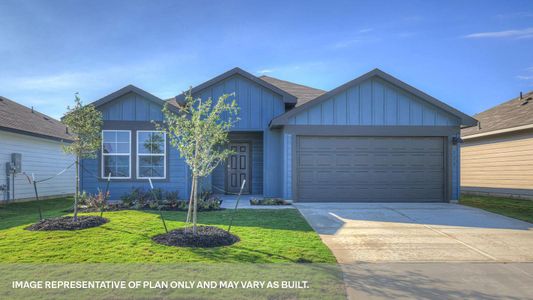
(514,208)
(266,236)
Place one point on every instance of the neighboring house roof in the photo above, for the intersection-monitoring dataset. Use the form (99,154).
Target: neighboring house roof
(466,120)
(287,97)
(515,114)
(303,93)
(18,118)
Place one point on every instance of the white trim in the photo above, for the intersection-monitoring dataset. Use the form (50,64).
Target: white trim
(164,154)
(517,128)
(102,154)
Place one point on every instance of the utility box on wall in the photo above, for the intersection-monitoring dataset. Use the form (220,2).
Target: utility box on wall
(16,161)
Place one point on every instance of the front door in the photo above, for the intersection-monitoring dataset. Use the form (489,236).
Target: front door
(238,168)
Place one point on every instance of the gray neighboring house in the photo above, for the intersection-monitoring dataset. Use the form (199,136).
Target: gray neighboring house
(497,155)
(372,139)
(38,139)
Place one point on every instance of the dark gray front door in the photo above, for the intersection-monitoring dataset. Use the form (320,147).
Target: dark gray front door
(370,169)
(239,168)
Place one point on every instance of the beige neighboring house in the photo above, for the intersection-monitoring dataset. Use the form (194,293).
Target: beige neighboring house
(31,144)
(497,156)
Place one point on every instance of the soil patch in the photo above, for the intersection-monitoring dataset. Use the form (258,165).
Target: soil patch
(67,223)
(206,237)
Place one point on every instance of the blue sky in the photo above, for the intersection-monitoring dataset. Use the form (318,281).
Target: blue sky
(469,54)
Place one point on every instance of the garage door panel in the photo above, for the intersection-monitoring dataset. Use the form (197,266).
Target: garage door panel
(370,169)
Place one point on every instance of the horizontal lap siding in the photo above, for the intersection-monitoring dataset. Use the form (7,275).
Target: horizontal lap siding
(500,162)
(41,157)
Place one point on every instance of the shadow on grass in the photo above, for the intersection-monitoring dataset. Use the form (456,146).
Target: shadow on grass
(20,213)
(281,219)
(17,214)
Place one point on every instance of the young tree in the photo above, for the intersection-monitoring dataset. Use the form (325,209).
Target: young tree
(85,123)
(200,133)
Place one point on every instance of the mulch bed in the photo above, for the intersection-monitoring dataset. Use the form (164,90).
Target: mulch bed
(206,237)
(67,223)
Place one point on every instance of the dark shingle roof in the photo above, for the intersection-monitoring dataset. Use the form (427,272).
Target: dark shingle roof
(21,119)
(303,93)
(513,113)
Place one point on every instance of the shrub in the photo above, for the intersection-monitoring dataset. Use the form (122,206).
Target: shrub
(167,200)
(268,201)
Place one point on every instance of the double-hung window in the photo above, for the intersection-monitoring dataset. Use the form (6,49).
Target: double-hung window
(151,154)
(116,154)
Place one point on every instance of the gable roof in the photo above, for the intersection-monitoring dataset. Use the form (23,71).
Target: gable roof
(303,93)
(130,88)
(508,116)
(465,119)
(18,118)
(287,97)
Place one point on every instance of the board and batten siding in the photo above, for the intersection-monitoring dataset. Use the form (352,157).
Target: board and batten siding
(132,107)
(374,102)
(133,112)
(43,158)
(499,165)
(257,107)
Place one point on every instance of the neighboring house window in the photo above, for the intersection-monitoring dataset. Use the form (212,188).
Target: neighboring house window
(116,154)
(151,154)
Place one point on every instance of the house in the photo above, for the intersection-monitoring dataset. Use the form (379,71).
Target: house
(31,144)
(374,138)
(497,155)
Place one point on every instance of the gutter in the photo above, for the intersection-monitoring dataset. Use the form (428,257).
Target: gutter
(494,132)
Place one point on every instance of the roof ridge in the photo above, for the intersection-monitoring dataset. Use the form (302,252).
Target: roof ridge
(291,82)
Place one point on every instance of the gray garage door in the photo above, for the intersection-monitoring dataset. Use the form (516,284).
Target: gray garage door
(369,169)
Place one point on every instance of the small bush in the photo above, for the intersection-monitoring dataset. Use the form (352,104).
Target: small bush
(167,200)
(268,201)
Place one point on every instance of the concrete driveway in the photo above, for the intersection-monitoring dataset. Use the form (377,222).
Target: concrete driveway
(397,250)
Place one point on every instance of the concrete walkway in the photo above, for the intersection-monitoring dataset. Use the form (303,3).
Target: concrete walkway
(416,250)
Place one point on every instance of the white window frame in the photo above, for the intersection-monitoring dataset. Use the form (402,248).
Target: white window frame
(152,154)
(104,176)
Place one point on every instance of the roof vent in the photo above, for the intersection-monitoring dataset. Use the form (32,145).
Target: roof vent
(66,130)
(32,109)
(526,101)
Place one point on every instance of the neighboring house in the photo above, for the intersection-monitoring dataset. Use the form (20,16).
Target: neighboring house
(374,138)
(38,139)
(497,156)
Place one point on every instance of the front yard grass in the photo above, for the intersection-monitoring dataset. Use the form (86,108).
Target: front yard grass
(514,208)
(267,236)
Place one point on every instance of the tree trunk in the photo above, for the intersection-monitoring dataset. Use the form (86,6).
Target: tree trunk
(195,209)
(191,201)
(77,189)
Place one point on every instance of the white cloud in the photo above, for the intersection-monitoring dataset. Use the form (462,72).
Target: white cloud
(525,77)
(515,33)
(265,71)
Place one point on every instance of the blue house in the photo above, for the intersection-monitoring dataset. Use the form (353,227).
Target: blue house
(374,138)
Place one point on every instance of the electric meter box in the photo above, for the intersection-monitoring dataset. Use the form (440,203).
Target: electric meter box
(16,161)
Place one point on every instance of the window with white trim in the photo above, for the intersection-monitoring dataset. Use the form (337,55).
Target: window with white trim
(116,154)
(151,154)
